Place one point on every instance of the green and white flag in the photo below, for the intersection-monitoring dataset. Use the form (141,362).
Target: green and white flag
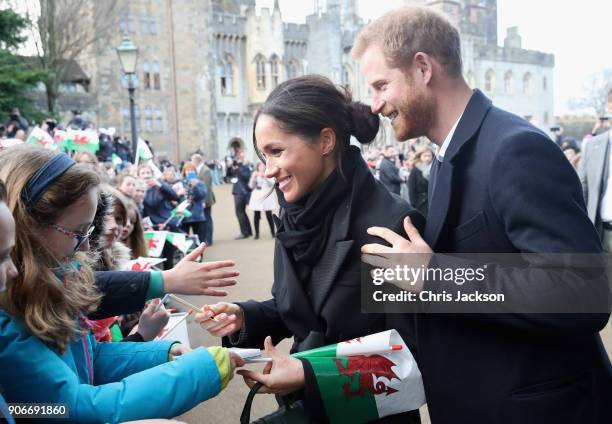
(40,137)
(155,242)
(180,241)
(82,141)
(366,378)
(181,210)
(143,150)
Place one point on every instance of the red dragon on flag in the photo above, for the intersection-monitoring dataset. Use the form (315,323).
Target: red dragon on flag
(368,368)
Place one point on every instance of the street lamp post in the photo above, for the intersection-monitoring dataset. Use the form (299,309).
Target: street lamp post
(128,56)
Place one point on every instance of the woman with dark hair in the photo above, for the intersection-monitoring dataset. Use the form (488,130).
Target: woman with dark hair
(418,180)
(328,200)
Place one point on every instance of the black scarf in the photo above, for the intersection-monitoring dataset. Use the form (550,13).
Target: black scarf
(305,225)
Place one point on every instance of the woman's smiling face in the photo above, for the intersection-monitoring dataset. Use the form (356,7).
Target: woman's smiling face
(298,165)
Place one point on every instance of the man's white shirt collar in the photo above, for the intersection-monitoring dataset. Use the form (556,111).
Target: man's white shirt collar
(447,140)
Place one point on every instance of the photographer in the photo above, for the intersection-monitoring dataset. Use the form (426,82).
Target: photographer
(196,194)
(15,122)
(242,193)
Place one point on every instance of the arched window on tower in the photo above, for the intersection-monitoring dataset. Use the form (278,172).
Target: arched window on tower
(144,24)
(152,25)
(260,72)
(146,73)
(528,84)
(274,70)
(508,82)
(222,78)
(156,75)
(227,76)
(490,81)
(292,69)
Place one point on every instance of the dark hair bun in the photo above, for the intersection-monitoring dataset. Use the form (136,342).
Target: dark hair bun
(364,124)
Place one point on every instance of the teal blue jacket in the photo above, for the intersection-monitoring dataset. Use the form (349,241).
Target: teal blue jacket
(104,382)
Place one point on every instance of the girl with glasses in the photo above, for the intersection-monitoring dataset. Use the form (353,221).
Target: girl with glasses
(47,351)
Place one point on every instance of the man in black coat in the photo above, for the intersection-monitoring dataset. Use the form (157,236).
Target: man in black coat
(498,184)
(242,193)
(388,174)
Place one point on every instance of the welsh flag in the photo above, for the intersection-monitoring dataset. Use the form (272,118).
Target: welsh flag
(61,138)
(39,137)
(155,242)
(181,210)
(180,241)
(142,264)
(143,150)
(82,141)
(366,378)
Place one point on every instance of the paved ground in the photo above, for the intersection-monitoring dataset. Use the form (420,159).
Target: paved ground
(254,258)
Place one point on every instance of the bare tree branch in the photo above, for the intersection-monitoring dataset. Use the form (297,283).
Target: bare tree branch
(65,29)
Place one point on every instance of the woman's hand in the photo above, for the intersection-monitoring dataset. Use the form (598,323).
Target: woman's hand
(151,321)
(282,376)
(229,318)
(192,277)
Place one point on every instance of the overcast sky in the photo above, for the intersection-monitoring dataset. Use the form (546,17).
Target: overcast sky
(579,34)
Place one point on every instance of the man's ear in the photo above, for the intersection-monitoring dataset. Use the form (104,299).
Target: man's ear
(327,141)
(423,65)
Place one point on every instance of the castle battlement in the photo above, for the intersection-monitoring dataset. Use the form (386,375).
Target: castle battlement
(295,32)
(516,55)
(227,23)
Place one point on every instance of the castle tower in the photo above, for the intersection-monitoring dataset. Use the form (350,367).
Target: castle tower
(323,55)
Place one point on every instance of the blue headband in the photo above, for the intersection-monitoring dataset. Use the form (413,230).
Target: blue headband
(44,177)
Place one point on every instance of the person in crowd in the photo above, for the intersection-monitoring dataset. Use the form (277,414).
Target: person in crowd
(263,198)
(88,159)
(500,185)
(418,181)
(404,172)
(112,255)
(140,188)
(78,121)
(205,175)
(15,122)
(195,194)
(47,351)
(573,156)
(388,172)
(241,191)
(595,178)
(133,233)
(123,148)
(126,183)
(105,152)
(328,199)
(160,199)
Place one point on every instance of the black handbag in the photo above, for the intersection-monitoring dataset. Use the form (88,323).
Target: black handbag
(287,413)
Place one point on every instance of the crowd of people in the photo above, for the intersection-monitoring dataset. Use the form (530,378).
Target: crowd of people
(77,329)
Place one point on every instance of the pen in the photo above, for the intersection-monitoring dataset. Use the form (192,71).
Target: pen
(189,305)
(161,302)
